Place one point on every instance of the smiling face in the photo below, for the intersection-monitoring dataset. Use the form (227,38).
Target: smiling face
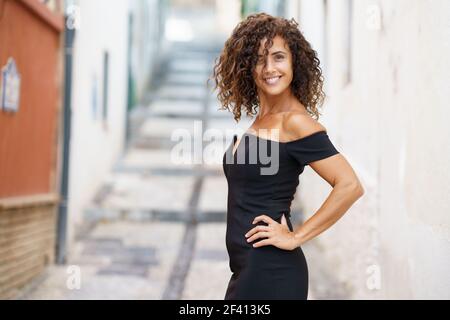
(276,75)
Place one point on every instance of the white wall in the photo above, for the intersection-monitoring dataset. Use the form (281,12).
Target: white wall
(391,122)
(228,15)
(95,144)
(312,24)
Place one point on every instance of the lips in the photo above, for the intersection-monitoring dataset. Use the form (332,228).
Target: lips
(272,80)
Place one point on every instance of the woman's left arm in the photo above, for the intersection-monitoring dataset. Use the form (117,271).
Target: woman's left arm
(346,190)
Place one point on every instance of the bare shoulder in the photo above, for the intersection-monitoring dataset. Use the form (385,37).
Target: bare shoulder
(297,125)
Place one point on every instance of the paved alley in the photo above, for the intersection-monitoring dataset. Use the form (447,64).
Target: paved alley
(158,227)
(112,138)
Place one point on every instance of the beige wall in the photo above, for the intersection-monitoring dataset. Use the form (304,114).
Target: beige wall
(391,122)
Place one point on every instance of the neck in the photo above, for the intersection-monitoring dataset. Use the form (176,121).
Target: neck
(275,103)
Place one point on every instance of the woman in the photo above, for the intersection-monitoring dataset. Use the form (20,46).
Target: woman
(268,67)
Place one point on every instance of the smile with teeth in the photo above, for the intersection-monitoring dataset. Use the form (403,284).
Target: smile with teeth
(272,80)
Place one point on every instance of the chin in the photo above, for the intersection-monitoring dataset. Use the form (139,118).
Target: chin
(274,91)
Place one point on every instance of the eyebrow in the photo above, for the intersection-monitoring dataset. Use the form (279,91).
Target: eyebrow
(276,52)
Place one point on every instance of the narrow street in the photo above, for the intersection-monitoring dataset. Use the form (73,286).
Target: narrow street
(158,227)
(112,140)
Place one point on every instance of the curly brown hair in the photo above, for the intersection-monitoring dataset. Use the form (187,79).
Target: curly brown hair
(233,70)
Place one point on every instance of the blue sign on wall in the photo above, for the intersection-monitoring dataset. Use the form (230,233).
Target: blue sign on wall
(10,87)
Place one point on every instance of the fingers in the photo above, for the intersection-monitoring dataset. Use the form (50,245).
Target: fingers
(256,229)
(262,243)
(258,235)
(263,218)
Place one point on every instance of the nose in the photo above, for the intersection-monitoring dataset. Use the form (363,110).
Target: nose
(269,67)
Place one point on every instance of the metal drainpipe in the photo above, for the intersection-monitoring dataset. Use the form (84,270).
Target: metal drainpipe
(69,35)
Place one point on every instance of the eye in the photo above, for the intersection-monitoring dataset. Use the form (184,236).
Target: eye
(279,57)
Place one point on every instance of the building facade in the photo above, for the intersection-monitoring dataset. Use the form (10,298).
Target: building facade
(31,102)
(386,80)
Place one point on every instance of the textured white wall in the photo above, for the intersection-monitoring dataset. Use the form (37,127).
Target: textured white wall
(391,122)
(96,144)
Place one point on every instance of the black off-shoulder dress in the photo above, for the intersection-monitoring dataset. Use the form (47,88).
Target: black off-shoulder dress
(266,272)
